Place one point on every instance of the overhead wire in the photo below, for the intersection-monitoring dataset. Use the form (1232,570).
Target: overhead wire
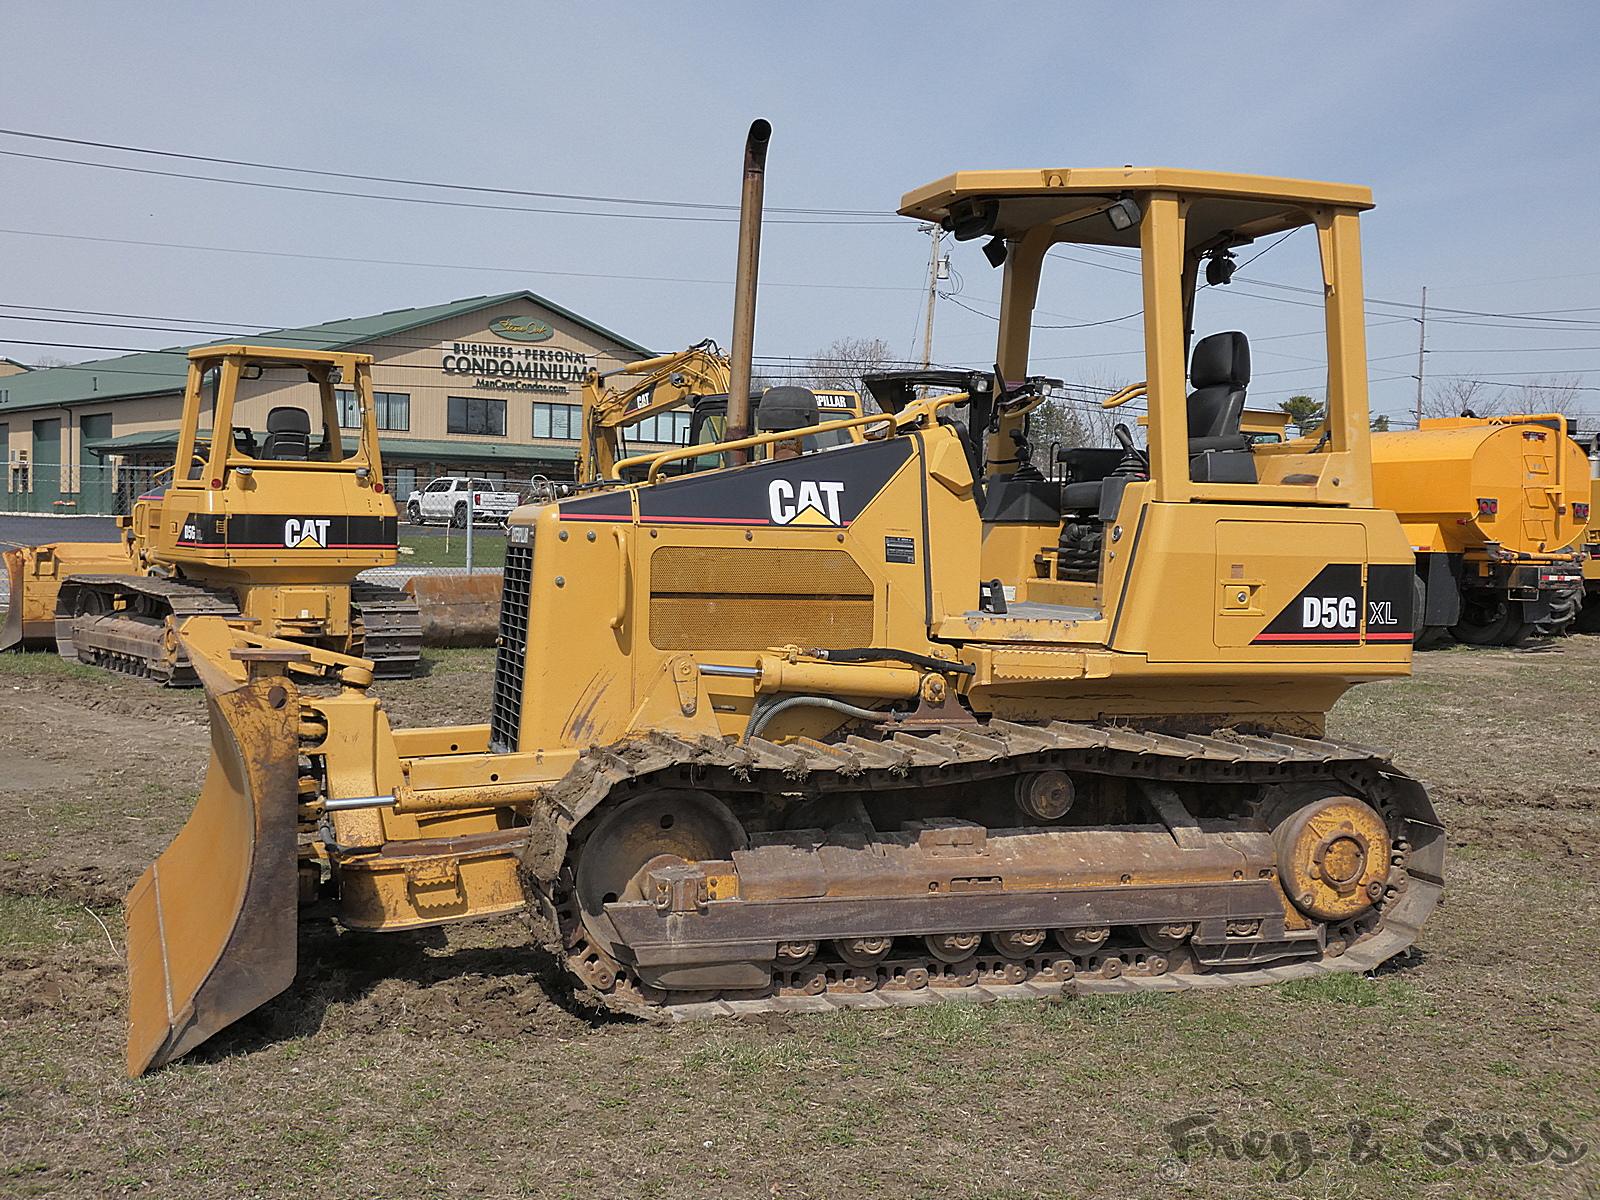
(466,267)
(426,183)
(435,201)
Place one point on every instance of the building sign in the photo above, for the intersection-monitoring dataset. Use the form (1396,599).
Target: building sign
(521,329)
(516,368)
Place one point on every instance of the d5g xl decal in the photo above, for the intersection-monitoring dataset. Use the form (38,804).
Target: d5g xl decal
(1335,610)
(1391,595)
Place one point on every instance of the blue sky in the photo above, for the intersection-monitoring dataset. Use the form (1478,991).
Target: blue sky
(1474,123)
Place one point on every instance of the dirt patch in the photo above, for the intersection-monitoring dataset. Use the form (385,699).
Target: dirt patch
(454,1063)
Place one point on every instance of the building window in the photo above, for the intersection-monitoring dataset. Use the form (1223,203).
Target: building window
(556,421)
(476,414)
(670,428)
(393,409)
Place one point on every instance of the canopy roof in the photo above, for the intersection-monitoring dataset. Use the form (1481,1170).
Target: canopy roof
(1249,206)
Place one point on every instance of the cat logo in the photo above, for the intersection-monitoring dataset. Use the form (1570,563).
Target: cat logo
(310,533)
(810,502)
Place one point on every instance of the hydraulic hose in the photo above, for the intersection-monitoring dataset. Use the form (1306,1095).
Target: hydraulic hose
(763,718)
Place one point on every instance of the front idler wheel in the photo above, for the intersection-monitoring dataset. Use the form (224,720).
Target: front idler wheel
(659,829)
(1333,857)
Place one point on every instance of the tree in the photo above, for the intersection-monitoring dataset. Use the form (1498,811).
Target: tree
(843,361)
(1074,416)
(1305,412)
(1453,397)
(1546,394)
(1380,423)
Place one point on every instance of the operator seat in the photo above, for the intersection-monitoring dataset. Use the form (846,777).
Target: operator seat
(1219,372)
(288,435)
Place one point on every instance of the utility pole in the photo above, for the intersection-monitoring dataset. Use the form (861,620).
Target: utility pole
(1422,349)
(937,270)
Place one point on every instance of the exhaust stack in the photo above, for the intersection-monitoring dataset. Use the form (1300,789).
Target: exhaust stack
(744,287)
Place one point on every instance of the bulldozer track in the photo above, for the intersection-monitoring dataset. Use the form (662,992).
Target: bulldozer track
(941,755)
(135,641)
(393,629)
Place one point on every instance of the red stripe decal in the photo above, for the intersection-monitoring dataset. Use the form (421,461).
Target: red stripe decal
(1308,637)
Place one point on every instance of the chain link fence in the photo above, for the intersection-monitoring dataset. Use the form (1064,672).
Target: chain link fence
(87,490)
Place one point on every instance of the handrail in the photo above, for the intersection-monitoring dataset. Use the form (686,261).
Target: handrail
(922,411)
(662,458)
(1132,392)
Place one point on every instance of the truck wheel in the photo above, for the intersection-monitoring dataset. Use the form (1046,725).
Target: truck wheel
(1424,637)
(1589,615)
(1557,622)
(458,519)
(1487,619)
(414,513)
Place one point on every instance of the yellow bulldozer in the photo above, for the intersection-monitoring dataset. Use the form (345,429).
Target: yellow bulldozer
(269,534)
(1495,509)
(897,723)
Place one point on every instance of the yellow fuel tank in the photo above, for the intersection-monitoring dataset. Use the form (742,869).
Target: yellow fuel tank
(1495,509)
(1461,483)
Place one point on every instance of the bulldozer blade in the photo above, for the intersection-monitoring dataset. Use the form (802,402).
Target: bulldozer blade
(11,627)
(34,575)
(458,610)
(211,923)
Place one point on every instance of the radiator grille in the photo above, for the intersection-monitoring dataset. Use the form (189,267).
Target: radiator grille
(511,652)
(748,599)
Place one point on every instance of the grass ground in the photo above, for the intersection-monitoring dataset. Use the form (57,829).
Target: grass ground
(451,1064)
(435,546)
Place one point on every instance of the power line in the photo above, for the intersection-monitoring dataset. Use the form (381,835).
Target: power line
(428,183)
(435,201)
(502,270)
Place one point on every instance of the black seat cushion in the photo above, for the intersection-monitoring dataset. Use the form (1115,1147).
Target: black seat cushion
(1219,372)
(288,435)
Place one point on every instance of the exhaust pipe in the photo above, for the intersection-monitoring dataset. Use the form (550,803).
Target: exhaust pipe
(744,287)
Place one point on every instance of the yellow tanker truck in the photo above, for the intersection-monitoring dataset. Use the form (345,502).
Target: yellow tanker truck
(1589,619)
(1496,509)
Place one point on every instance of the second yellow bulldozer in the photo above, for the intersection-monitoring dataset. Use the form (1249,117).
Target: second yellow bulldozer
(267,532)
(896,723)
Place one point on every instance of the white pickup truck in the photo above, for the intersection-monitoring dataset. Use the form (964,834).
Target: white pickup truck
(450,497)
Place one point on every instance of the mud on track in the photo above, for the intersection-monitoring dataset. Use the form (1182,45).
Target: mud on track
(452,1063)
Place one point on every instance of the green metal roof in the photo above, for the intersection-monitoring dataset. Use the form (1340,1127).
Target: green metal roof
(160,372)
(392,448)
